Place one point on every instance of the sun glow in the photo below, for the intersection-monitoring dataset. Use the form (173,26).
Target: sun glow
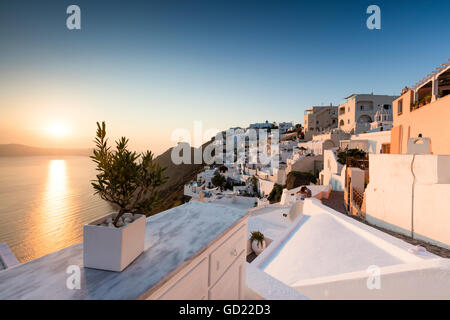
(57,130)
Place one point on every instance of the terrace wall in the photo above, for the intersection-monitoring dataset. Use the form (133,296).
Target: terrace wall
(375,140)
(265,186)
(409,194)
(332,173)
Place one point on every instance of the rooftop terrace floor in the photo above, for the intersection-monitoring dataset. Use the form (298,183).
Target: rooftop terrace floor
(321,246)
(270,221)
(326,255)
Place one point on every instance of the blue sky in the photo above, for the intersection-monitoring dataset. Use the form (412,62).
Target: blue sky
(149,67)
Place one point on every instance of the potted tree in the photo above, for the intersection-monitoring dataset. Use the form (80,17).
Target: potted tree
(258,242)
(128,180)
(421,102)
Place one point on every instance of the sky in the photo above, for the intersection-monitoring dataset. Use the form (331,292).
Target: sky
(148,68)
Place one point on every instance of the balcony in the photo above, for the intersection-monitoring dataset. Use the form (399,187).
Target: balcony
(362,164)
(434,87)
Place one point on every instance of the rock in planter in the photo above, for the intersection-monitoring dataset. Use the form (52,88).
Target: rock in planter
(257,247)
(128,220)
(111,248)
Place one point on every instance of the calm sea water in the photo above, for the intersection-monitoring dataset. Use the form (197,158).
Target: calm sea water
(44,203)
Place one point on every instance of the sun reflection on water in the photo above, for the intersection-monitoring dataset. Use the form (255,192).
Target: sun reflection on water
(44,203)
(56,180)
(52,217)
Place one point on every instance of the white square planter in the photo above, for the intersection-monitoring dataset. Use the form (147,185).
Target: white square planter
(110,248)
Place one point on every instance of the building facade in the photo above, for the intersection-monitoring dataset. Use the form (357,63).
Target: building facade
(285,126)
(359,110)
(424,110)
(261,125)
(318,119)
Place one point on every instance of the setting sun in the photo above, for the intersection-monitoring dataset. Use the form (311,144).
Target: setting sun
(57,130)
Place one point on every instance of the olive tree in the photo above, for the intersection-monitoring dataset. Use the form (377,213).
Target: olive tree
(125,178)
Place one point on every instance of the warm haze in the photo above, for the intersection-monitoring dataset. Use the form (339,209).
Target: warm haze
(156,66)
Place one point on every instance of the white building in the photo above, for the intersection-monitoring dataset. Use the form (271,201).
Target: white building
(372,142)
(358,111)
(285,126)
(324,141)
(204,177)
(318,119)
(261,125)
(382,121)
(333,172)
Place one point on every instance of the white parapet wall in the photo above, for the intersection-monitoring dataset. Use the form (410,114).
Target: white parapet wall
(267,287)
(289,197)
(410,194)
(337,181)
(375,140)
(265,186)
(7,258)
(332,173)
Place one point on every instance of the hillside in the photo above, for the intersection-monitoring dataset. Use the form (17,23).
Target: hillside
(172,192)
(20,150)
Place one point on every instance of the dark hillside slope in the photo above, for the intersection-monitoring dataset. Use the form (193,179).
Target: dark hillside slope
(172,192)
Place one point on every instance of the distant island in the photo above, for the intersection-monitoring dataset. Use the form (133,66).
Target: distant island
(20,150)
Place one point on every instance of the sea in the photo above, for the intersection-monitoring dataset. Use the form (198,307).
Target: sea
(45,201)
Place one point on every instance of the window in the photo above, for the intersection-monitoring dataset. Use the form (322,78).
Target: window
(400,107)
(348,121)
(386,148)
(387,106)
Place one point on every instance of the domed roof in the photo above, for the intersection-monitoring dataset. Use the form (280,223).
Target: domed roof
(382,115)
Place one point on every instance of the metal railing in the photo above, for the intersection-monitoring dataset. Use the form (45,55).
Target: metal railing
(362,164)
(358,198)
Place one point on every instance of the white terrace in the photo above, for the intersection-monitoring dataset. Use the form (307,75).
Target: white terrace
(323,254)
(313,252)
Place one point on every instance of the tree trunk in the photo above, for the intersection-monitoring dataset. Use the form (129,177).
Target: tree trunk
(119,214)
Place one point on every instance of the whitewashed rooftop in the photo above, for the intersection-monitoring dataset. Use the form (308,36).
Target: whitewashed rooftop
(324,254)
